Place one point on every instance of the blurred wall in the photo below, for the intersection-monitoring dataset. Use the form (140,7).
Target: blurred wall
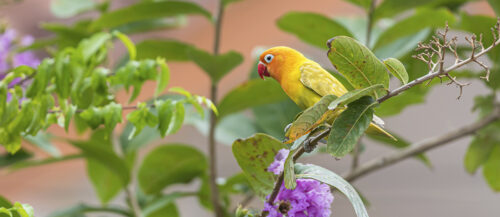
(406,189)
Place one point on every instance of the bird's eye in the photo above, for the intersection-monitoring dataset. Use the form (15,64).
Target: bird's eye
(268,58)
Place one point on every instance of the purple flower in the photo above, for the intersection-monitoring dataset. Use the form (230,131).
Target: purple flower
(277,166)
(310,198)
(10,58)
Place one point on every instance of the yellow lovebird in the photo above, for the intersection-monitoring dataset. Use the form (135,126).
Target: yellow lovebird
(304,80)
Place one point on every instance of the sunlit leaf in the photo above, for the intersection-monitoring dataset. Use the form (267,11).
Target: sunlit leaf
(397,69)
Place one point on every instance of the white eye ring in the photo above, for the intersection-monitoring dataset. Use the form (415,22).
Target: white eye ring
(268,58)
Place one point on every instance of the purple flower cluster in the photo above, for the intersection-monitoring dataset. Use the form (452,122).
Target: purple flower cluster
(310,198)
(10,58)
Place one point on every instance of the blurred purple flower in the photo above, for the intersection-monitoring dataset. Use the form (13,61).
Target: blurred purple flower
(10,58)
(310,197)
(277,166)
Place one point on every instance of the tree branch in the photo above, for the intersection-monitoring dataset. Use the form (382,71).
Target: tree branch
(212,145)
(421,147)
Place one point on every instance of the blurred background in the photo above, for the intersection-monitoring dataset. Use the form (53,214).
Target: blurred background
(405,189)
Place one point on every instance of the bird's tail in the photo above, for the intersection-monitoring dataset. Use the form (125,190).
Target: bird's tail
(375,129)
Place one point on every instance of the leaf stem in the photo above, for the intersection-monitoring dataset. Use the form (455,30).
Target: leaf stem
(212,145)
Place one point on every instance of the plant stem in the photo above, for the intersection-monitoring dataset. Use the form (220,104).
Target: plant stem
(369,24)
(423,146)
(355,156)
(134,204)
(212,145)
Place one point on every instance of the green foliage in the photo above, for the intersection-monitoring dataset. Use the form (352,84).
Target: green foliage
(18,209)
(171,50)
(68,8)
(422,19)
(495,5)
(254,155)
(357,64)
(252,93)
(312,28)
(216,66)
(106,183)
(309,171)
(311,118)
(397,69)
(170,164)
(352,96)
(349,126)
(162,207)
(147,11)
(491,168)
(289,171)
(365,4)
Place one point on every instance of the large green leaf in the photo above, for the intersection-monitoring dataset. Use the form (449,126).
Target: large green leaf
(254,155)
(491,168)
(69,8)
(365,4)
(4,202)
(273,118)
(402,46)
(397,69)
(216,66)
(147,11)
(20,156)
(349,126)
(421,20)
(310,118)
(163,206)
(478,153)
(97,148)
(312,28)
(309,171)
(41,162)
(390,8)
(252,93)
(357,64)
(170,164)
(106,183)
(400,143)
(152,25)
(169,49)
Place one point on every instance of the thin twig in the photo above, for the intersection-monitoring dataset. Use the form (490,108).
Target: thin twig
(422,146)
(356,152)
(212,145)
(369,25)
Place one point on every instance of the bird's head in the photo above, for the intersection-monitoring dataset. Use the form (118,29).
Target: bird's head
(275,61)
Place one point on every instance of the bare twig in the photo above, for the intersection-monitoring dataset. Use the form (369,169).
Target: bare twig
(431,51)
(423,146)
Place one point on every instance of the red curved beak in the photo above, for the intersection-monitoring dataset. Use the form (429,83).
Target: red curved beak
(262,69)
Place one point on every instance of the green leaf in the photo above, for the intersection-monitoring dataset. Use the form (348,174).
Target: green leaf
(421,20)
(7,159)
(357,64)
(484,105)
(69,8)
(42,141)
(216,66)
(365,4)
(34,163)
(397,69)
(147,11)
(273,118)
(163,77)
(178,119)
(170,164)
(312,28)
(254,155)
(141,117)
(163,206)
(349,126)
(402,46)
(112,116)
(24,210)
(90,46)
(310,119)
(96,148)
(106,183)
(4,202)
(132,51)
(252,93)
(352,96)
(400,143)
(309,171)
(171,50)
(289,172)
(390,8)
(478,153)
(165,115)
(491,168)
(495,4)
